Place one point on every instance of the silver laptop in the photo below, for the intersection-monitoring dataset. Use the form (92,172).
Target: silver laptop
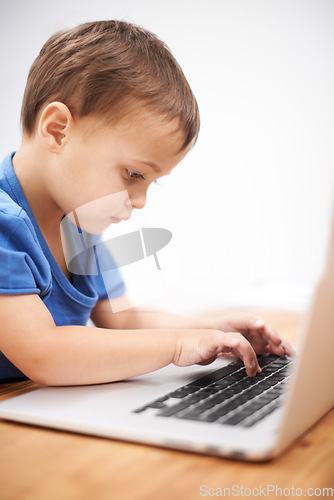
(215,410)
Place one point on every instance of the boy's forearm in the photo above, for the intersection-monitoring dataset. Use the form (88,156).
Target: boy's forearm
(145,343)
(154,318)
(140,317)
(75,355)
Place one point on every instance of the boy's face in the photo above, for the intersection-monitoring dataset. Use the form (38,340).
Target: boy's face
(103,171)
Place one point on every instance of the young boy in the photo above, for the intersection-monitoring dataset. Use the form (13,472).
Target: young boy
(106,111)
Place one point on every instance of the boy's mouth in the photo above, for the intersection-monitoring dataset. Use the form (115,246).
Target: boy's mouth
(115,220)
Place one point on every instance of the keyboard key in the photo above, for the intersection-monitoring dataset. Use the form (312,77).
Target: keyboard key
(194,398)
(208,404)
(255,390)
(197,410)
(223,396)
(235,377)
(261,414)
(210,390)
(266,359)
(155,404)
(268,396)
(234,419)
(260,376)
(191,415)
(243,398)
(179,393)
(158,403)
(237,417)
(278,363)
(269,369)
(223,383)
(256,405)
(250,395)
(202,395)
(244,384)
(172,410)
(237,362)
(253,380)
(278,389)
(213,377)
(278,377)
(269,382)
(223,410)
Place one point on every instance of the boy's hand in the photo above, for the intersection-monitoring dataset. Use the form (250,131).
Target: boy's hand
(204,346)
(262,337)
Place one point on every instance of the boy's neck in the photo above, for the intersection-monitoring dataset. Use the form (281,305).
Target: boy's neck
(30,166)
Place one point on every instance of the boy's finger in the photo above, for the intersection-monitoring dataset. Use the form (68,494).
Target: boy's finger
(289,350)
(278,345)
(279,349)
(271,334)
(245,351)
(271,337)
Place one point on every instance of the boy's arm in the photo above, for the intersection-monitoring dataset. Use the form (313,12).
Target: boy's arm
(65,355)
(77,355)
(262,336)
(142,317)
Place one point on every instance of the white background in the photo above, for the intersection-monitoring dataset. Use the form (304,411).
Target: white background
(248,207)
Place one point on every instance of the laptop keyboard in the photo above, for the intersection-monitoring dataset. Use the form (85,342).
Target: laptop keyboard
(228,395)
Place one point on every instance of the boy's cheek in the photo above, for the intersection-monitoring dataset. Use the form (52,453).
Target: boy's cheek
(95,216)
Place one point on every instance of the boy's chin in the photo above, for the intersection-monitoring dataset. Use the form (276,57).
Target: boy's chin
(91,225)
(96,227)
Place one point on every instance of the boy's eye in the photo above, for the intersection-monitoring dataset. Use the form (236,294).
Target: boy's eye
(134,175)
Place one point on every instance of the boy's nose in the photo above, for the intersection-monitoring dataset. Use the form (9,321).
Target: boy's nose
(138,201)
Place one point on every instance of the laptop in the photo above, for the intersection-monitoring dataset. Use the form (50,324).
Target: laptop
(214,410)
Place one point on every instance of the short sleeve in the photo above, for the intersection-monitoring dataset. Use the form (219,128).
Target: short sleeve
(23,266)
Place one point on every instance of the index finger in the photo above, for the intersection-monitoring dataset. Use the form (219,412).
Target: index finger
(245,351)
(278,345)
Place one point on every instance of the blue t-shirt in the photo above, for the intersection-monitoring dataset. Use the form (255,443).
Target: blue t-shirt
(28,266)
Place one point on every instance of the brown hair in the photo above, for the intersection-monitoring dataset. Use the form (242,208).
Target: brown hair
(101,68)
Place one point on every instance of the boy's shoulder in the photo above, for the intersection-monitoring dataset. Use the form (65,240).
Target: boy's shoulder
(11,212)
(26,269)
(9,206)
(13,218)
(10,209)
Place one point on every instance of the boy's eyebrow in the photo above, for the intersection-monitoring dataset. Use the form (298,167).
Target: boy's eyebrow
(155,167)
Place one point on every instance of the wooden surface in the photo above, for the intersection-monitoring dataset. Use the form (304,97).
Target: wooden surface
(43,464)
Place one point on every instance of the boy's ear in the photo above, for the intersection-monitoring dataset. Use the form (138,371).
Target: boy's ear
(54,124)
